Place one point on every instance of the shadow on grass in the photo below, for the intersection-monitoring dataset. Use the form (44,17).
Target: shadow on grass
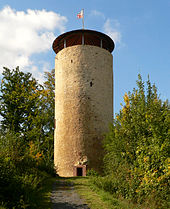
(72,181)
(67,205)
(44,194)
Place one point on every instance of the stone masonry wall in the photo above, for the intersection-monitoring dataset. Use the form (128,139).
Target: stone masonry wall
(83,106)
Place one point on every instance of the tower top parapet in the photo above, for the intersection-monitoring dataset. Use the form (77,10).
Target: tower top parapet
(83,37)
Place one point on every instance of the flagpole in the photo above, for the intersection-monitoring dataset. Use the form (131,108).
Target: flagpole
(83,19)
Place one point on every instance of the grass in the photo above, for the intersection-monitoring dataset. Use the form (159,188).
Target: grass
(44,194)
(82,186)
(93,196)
(96,198)
(41,199)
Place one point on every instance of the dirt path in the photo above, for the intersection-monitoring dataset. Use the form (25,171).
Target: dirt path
(64,196)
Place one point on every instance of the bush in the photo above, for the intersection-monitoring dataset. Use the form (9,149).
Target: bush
(106,183)
(137,149)
(21,173)
(92,172)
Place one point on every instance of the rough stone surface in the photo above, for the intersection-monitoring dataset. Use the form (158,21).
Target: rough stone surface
(83,106)
(64,196)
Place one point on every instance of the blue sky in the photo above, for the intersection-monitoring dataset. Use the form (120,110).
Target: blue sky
(140,29)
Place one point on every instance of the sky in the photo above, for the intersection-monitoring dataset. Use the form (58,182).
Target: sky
(140,30)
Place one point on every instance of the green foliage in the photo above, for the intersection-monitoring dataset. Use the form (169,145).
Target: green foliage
(27,109)
(42,132)
(106,183)
(92,172)
(19,95)
(48,99)
(136,160)
(26,137)
(21,173)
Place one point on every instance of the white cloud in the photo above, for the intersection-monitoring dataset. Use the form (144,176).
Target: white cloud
(97,14)
(23,34)
(111,29)
(110,26)
(39,75)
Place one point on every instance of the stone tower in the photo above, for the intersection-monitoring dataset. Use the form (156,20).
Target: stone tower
(83,100)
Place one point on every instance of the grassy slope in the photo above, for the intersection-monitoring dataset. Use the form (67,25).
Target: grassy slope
(44,194)
(42,198)
(98,199)
(95,198)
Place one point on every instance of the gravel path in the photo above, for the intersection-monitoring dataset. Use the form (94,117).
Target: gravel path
(64,196)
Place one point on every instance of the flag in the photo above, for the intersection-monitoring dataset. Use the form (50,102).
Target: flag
(80,14)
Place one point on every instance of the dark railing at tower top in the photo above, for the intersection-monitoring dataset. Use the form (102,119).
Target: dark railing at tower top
(83,37)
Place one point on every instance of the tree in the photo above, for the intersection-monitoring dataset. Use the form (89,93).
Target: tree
(27,110)
(49,106)
(49,99)
(19,98)
(137,146)
(43,123)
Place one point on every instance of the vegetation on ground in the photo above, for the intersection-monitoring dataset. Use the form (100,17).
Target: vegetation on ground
(97,198)
(26,139)
(136,162)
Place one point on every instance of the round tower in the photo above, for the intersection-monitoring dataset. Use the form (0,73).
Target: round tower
(83,100)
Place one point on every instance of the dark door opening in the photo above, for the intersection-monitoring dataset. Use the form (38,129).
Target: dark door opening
(79,171)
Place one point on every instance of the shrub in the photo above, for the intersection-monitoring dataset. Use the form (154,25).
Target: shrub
(21,173)
(137,149)
(92,172)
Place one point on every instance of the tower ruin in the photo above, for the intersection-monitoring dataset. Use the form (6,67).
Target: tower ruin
(83,100)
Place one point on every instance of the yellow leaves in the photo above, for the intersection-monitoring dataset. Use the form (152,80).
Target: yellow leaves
(163,177)
(154,172)
(31,147)
(159,179)
(146,179)
(38,155)
(136,94)
(155,100)
(126,100)
(168,160)
(125,109)
(33,152)
(146,159)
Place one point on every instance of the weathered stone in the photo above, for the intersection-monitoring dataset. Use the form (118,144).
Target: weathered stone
(83,106)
